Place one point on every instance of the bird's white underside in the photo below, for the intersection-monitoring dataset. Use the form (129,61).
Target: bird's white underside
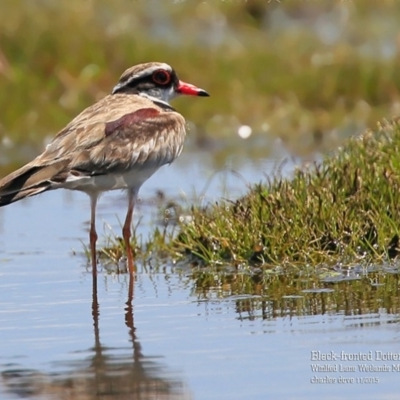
(132,179)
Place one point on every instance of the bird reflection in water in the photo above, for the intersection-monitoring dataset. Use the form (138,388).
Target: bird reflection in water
(103,372)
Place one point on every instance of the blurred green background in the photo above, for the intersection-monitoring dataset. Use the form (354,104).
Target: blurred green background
(311,73)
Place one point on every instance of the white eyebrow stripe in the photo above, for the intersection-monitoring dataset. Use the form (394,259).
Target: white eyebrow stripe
(151,70)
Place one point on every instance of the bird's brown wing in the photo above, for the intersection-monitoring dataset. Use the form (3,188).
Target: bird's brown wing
(144,135)
(144,138)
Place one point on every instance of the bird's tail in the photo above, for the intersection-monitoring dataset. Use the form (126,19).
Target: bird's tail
(28,181)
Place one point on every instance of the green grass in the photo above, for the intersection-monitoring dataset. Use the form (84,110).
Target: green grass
(344,210)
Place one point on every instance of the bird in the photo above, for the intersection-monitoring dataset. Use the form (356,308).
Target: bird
(116,143)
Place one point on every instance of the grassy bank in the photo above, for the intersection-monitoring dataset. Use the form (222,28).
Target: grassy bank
(343,211)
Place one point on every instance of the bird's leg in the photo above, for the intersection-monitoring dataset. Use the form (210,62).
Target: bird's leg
(93,233)
(126,231)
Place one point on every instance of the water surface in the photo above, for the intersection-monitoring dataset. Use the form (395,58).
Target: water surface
(158,336)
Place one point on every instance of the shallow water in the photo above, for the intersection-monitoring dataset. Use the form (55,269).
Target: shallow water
(156,337)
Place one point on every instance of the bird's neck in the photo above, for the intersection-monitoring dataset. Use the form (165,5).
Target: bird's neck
(161,103)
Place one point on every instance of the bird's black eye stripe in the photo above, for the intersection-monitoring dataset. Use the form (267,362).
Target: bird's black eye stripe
(161,77)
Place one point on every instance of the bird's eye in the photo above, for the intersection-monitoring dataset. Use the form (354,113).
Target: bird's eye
(161,77)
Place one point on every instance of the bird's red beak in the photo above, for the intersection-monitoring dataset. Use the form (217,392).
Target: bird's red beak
(190,90)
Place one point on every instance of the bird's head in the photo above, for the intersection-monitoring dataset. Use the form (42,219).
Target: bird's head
(155,80)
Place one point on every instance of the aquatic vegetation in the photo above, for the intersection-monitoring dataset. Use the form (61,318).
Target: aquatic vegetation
(343,210)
